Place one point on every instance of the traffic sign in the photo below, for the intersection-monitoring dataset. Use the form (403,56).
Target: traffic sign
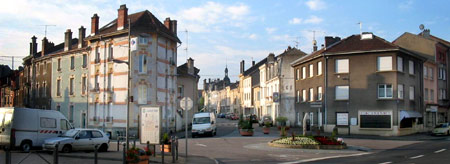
(186,103)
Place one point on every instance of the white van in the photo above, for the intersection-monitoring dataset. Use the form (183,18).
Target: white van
(26,128)
(204,123)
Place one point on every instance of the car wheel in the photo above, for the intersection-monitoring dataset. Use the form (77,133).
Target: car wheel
(103,148)
(448,132)
(66,149)
(25,146)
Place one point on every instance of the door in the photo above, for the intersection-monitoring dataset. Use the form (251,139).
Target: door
(83,141)
(97,139)
(83,120)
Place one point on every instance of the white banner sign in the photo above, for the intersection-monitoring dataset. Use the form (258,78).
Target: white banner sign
(376,113)
(342,119)
(150,124)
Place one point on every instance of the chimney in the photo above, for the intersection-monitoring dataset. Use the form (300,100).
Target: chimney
(190,66)
(271,58)
(122,17)
(174,27)
(33,45)
(242,66)
(94,24)
(314,45)
(67,40)
(253,63)
(329,40)
(168,23)
(81,36)
(426,33)
(44,47)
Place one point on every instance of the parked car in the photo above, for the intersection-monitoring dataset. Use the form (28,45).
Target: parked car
(265,119)
(442,129)
(234,117)
(26,128)
(221,115)
(204,123)
(228,115)
(78,139)
(253,118)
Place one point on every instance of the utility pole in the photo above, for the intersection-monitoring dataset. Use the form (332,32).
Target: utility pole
(46,25)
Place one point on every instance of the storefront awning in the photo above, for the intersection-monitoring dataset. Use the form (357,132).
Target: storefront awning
(409,114)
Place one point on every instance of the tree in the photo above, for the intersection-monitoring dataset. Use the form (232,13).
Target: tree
(201,103)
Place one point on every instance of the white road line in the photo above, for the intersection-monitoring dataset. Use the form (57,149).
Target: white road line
(201,145)
(440,151)
(385,163)
(323,158)
(416,157)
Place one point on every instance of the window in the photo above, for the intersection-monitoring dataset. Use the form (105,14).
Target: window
(96,111)
(84,60)
(384,63)
(442,94)
(311,70)
(84,134)
(319,68)
(96,134)
(431,95)
(303,72)
(59,64)
(342,66)
(45,68)
(297,74)
(426,94)
(110,82)
(71,113)
(400,64)
(411,93)
(311,94)
(298,96)
(400,91)
(411,67)
(425,75)
(342,92)
(58,108)
(142,64)
(110,52)
(430,73)
(108,114)
(384,91)
(72,62)
(142,94)
(319,93)
(83,85)
(37,90)
(71,86)
(58,87)
(97,55)
(180,91)
(97,85)
(48,122)
(143,40)
(64,125)
(44,89)
(303,95)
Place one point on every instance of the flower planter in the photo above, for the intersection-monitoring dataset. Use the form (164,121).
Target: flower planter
(246,132)
(285,128)
(143,159)
(167,148)
(266,130)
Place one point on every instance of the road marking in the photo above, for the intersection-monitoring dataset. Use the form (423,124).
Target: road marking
(201,145)
(416,157)
(323,158)
(385,163)
(440,151)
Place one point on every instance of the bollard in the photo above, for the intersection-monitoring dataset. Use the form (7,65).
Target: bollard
(148,146)
(154,150)
(162,152)
(172,148)
(96,154)
(55,154)
(176,146)
(7,155)
(134,142)
(124,157)
(118,143)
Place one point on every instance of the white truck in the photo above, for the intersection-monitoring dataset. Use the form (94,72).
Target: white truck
(26,128)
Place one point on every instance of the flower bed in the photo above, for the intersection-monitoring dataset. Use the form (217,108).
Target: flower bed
(302,142)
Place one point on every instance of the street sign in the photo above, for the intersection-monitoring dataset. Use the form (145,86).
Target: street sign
(342,119)
(150,124)
(316,104)
(188,104)
(276,97)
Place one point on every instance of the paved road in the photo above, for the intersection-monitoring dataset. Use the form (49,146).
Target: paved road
(423,152)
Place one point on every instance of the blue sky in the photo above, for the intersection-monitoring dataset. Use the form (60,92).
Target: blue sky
(223,32)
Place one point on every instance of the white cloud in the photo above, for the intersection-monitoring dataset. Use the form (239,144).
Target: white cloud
(406,5)
(295,21)
(270,30)
(313,20)
(253,36)
(316,4)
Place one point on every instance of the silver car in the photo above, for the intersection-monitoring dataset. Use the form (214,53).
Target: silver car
(78,139)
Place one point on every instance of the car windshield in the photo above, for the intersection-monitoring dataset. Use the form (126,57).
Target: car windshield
(201,120)
(70,133)
(441,126)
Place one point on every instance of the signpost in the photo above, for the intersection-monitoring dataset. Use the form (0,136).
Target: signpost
(150,125)
(186,104)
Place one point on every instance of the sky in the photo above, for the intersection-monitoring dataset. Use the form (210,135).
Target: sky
(222,33)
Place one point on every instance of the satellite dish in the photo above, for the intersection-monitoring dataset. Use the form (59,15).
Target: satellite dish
(421,27)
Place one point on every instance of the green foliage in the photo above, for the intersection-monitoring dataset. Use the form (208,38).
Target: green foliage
(165,138)
(283,131)
(201,103)
(281,120)
(247,124)
(334,133)
(241,120)
(267,124)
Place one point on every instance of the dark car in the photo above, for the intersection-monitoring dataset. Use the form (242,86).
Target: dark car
(221,115)
(253,118)
(265,119)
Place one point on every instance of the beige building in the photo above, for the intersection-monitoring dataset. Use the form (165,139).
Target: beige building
(187,82)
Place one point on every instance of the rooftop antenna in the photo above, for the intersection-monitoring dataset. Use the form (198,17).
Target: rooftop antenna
(421,27)
(296,41)
(360,27)
(314,39)
(47,25)
(187,37)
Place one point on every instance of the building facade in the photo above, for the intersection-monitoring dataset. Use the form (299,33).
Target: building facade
(187,83)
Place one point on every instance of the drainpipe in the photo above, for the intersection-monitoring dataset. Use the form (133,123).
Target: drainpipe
(325,89)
